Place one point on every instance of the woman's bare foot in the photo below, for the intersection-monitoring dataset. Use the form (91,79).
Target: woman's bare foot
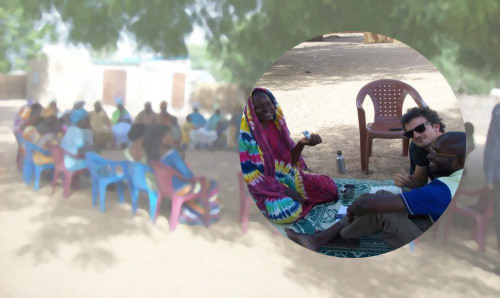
(306,240)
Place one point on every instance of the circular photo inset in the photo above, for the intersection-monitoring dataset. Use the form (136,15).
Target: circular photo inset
(353,145)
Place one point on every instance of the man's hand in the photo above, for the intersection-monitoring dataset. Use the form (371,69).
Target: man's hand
(312,141)
(294,195)
(402,180)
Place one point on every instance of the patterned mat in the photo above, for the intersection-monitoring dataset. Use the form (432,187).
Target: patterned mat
(322,217)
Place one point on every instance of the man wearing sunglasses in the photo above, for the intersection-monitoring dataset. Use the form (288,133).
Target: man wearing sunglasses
(404,217)
(422,126)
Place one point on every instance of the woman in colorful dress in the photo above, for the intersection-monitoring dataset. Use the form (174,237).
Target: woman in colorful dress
(275,173)
(159,144)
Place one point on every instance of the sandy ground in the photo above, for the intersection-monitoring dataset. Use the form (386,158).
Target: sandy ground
(316,84)
(56,247)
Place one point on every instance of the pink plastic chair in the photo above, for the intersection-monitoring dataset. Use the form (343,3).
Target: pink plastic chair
(58,155)
(387,97)
(245,200)
(164,175)
(481,212)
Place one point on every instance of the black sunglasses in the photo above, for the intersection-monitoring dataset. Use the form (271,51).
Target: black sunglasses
(420,129)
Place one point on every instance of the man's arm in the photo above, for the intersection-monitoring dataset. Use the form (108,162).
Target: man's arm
(417,179)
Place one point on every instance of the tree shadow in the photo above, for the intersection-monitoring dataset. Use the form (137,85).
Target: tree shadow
(329,63)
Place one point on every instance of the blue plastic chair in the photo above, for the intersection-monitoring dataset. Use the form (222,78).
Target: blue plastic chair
(29,164)
(103,172)
(136,173)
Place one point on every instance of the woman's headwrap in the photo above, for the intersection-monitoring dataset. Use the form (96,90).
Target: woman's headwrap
(257,160)
(78,115)
(119,101)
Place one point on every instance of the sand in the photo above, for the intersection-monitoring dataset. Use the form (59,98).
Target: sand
(56,247)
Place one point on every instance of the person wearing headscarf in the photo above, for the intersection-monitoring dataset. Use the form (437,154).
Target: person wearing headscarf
(492,164)
(197,118)
(28,128)
(77,140)
(273,168)
(122,121)
(22,115)
(101,126)
(49,133)
(120,114)
(159,144)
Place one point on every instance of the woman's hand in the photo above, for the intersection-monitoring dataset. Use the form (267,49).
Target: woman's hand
(294,195)
(312,141)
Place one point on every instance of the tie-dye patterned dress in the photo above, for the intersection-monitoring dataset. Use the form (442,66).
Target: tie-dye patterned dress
(265,155)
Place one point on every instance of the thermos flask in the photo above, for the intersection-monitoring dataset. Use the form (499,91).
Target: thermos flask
(340,163)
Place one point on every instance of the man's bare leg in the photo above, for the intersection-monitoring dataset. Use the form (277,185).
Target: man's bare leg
(317,240)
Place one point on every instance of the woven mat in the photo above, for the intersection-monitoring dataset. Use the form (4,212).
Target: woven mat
(322,217)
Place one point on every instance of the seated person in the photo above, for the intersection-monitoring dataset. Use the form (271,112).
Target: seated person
(122,121)
(135,152)
(197,118)
(422,126)
(49,132)
(234,126)
(274,171)
(186,129)
(159,145)
(28,128)
(146,116)
(77,140)
(22,115)
(390,212)
(205,136)
(101,126)
(218,124)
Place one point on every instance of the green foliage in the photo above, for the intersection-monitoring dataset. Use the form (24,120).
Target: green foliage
(20,36)
(244,37)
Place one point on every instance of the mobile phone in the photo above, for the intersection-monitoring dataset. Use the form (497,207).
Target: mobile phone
(340,216)
(306,134)
(395,128)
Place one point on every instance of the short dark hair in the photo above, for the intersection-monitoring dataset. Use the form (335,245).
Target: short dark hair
(36,108)
(431,116)
(136,131)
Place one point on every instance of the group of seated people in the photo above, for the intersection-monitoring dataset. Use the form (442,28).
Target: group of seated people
(150,137)
(199,133)
(285,190)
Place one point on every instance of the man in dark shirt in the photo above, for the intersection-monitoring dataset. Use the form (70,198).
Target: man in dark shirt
(422,126)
